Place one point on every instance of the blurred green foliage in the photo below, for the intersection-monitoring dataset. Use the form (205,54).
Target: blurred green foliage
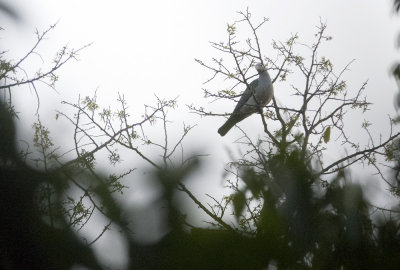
(301,224)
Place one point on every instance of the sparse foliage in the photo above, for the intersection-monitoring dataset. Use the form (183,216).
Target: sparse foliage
(324,104)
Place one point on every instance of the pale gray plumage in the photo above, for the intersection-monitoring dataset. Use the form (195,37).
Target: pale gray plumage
(254,98)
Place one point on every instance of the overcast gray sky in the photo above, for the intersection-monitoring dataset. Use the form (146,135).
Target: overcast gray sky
(142,48)
(146,47)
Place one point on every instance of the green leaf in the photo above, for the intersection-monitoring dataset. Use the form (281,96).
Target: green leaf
(327,134)
(239,201)
(253,182)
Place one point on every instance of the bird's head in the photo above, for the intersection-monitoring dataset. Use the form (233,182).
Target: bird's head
(260,68)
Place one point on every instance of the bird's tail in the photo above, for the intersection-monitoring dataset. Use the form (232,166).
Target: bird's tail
(226,127)
(232,120)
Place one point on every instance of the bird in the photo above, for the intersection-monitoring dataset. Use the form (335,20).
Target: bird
(257,95)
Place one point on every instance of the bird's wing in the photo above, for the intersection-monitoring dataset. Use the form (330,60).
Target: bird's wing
(246,95)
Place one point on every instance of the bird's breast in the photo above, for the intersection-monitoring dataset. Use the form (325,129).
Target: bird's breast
(265,95)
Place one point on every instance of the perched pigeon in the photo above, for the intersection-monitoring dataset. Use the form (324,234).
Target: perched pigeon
(254,98)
